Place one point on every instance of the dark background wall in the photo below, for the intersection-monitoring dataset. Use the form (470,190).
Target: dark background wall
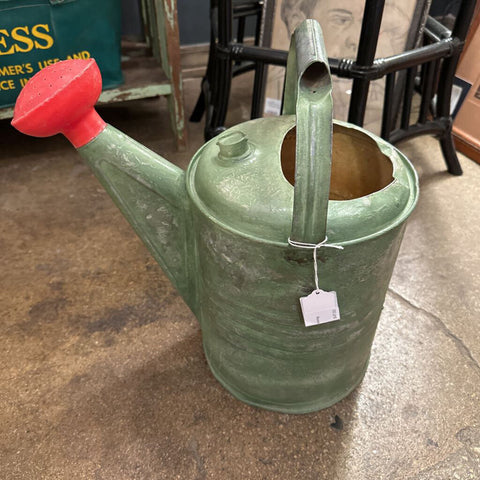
(441,8)
(193,20)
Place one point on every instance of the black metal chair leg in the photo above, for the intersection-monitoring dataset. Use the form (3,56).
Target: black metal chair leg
(372,18)
(447,73)
(221,77)
(258,90)
(219,96)
(199,108)
(450,153)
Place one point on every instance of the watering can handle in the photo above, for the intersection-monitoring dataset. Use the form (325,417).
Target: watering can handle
(308,94)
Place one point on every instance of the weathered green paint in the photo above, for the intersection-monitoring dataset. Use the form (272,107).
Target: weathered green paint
(134,93)
(165,12)
(220,233)
(6,112)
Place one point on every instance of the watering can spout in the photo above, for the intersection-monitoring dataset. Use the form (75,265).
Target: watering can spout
(149,190)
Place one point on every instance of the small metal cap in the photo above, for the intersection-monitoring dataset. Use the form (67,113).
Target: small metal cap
(233,146)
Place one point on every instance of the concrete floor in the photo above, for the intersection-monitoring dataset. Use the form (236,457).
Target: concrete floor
(103,374)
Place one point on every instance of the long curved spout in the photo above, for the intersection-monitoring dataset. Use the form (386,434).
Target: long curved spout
(149,190)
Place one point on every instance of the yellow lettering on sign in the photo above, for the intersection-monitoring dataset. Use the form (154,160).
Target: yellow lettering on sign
(42,36)
(3,43)
(46,63)
(79,56)
(19,39)
(7,85)
(28,42)
(8,70)
(20,69)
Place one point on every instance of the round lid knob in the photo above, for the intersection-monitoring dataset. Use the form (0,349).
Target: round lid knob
(233,146)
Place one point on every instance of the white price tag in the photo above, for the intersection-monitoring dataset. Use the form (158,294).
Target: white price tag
(319,307)
(273,106)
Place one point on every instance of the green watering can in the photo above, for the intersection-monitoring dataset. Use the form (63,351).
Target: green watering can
(235,232)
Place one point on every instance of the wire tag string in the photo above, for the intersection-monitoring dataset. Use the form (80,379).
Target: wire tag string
(314,247)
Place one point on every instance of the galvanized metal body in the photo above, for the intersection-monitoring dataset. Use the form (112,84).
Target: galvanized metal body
(220,232)
(249,279)
(221,236)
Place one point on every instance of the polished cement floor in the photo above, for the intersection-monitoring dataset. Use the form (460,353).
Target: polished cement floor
(102,370)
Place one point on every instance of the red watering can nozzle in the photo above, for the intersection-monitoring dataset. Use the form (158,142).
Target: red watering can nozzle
(60,99)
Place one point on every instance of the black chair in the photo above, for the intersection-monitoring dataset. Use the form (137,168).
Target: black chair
(221,68)
(428,70)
